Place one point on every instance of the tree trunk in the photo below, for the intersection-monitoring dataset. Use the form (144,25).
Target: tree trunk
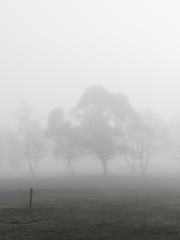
(143,168)
(26,138)
(144,161)
(105,170)
(67,168)
(29,159)
(70,167)
(131,165)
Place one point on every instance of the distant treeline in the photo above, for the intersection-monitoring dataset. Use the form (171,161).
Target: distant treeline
(102,125)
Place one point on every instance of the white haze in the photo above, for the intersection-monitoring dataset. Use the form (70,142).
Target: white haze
(50,51)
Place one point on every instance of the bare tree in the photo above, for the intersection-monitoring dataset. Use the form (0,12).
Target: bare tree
(143,139)
(32,137)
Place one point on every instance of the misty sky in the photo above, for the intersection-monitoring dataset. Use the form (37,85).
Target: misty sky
(50,51)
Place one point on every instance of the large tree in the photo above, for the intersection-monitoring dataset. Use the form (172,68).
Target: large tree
(98,137)
(103,117)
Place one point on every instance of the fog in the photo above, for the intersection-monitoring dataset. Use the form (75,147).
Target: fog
(51,51)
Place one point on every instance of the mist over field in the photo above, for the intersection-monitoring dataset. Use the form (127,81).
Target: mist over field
(89,120)
(53,53)
(103,134)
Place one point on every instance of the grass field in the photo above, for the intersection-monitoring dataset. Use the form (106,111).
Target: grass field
(102,209)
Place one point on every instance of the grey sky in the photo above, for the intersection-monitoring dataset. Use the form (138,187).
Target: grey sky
(50,51)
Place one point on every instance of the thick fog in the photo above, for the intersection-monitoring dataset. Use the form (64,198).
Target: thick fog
(52,51)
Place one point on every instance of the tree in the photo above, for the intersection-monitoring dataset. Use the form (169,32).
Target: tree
(98,138)
(32,136)
(103,116)
(124,118)
(143,138)
(65,136)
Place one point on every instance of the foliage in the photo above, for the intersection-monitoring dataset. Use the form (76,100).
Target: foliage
(66,137)
(102,116)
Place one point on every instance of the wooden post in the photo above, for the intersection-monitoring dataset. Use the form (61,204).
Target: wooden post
(30,199)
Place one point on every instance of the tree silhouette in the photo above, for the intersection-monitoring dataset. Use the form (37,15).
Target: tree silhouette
(66,137)
(32,136)
(143,138)
(103,116)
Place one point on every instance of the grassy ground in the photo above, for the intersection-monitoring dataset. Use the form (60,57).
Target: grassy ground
(87,211)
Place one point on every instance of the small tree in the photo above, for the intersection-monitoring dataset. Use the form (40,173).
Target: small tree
(143,139)
(65,136)
(32,136)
